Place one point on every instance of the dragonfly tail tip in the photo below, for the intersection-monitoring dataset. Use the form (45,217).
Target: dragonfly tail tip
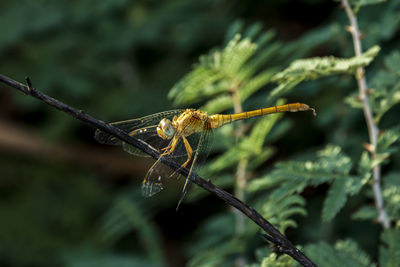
(313,111)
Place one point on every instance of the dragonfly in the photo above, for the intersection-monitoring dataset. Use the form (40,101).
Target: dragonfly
(183,135)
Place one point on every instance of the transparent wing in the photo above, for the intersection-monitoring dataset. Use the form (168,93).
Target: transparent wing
(159,175)
(148,135)
(200,155)
(143,128)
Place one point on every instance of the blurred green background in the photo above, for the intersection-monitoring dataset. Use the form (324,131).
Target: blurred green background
(61,193)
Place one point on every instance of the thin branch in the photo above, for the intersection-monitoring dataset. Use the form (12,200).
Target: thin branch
(241,182)
(274,235)
(373,129)
(240,175)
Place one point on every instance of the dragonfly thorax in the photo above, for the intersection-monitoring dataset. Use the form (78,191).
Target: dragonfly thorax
(165,129)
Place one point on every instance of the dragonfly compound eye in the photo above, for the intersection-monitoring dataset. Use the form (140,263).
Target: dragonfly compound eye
(165,129)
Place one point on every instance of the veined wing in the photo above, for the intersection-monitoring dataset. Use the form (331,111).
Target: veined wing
(143,128)
(159,175)
(199,156)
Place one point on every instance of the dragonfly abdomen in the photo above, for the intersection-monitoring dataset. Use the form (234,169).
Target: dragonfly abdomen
(218,120)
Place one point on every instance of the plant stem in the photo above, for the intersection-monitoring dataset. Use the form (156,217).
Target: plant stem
(373,129)
(240,176)
(240,179)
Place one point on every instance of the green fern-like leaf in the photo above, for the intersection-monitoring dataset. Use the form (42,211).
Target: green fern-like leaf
(224,101)
(127,215)
(323,254)
(280,210)
(365,213)
(335,200)
(217,72)
(386,86)
(213,232)
(355,255)
(391,194)
(274,261)
(360,3)
(332,165)
(345,253)
(365,166)
(384,146)
(314,68)
(221,255)
(389,251)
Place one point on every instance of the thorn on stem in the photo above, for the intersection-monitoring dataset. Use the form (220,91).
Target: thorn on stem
(350,29)
(29,84)
(370,90)
(369,147)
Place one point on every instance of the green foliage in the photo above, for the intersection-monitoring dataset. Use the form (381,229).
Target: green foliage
(360,3)
(391,195)
(280,211)
(117,59)
(218,248)
(344,253)
(220,255)
(216,73)
(127,215)
(384,147)
(335,200)
(224,70)
(386,88)
(315,68)
(332,165)
(390,249)
(274,260)
(365,213)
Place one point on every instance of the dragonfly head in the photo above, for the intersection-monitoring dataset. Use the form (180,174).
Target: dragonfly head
(165,129)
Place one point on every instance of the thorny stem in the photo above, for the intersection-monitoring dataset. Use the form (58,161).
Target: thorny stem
(273,235)
(241,182)
(373,129)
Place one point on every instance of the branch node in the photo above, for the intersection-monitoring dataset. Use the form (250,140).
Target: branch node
(360,73)
(28,84)
(369,147)
(370,91)
(350,29)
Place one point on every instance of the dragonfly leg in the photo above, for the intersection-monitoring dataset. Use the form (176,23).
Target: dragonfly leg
(171,147)
(166,148)
(189,151)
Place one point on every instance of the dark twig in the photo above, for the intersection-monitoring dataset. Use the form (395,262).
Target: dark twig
(274,236)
